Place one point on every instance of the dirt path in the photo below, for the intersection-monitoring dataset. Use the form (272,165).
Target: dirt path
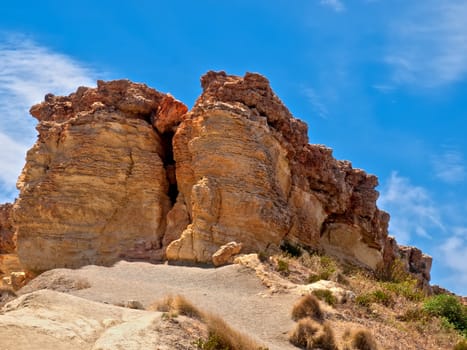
(233,292)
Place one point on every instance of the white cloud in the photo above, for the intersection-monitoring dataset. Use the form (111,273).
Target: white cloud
(453,253)
(336,5)
(27,72)
(429,44)
(316,102)
(450,167)
(411,208)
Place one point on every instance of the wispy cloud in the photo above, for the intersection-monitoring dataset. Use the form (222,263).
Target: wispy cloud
(429,44)
(411,207)
(450,166)
(316,102)
(453,253)
(336,5)
(27,72)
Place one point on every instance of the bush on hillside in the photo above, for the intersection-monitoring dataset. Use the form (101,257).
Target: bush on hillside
(307,306)
(450,308)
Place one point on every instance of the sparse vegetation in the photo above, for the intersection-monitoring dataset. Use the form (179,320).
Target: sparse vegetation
(302,335)
(325,339)
(283,266)
(363,340)
(309,334)
(325,295)
(307,306)
(221,335)
(450,309)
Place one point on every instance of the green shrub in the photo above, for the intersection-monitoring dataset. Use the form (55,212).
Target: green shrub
(283,266)
(326,295)
(408,289)
(378,296)
(449,308)
(382,297)
(364,299)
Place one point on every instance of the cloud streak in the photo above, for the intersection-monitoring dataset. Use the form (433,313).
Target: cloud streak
(450,167)
(411,208)
(336,5)
(429,44)
(27,72)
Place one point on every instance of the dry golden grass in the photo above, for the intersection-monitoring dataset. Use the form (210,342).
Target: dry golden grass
(221,335)
(305,330)
(309,334)
(307,306)
(363,340)
(176,305)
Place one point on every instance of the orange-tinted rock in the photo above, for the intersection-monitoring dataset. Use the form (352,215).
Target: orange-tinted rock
(94,188)
(123,171)
(248,174)
(7,232)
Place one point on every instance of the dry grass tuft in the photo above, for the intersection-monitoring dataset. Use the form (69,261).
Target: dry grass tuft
(363,340)
(221,335)
(305,330)
(309,334)
(228,338)
(176,305)
(325,339)
(307,306)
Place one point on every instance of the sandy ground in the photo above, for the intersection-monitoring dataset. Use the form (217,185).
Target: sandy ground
(232,292)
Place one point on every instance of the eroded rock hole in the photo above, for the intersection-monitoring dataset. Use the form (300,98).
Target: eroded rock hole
(169,164)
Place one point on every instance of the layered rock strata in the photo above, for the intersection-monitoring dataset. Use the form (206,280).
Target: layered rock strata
(95,186)
(123,171)
(246,173)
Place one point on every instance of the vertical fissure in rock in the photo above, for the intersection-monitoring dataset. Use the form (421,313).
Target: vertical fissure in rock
(169,164)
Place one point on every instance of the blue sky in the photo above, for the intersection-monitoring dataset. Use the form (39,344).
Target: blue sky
(382,82)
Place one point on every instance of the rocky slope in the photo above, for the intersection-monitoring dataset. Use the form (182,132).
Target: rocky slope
(123,171)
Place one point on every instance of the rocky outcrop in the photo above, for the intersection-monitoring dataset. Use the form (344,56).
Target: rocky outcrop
(50,320)
(415,262)
(246,173)
(7,232)
(95,186)
(123,171)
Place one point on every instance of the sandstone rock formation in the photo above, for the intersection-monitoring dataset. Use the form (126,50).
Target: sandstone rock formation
(7,237)
(95,186)
(123,171)
(246,172)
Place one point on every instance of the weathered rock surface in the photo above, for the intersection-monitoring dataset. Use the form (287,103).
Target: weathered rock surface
(50,320)
(123,171)
(95,188)
(226,253)
(247,173)
(415,262)
(7,232)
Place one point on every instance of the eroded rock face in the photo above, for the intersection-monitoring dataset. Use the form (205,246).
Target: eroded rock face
(247,174)
(123,171)
(95,187)
(7,232)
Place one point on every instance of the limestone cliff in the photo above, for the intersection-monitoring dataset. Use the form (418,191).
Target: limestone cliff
(123,171)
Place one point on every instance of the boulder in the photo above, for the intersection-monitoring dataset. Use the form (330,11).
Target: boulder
(226,253)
